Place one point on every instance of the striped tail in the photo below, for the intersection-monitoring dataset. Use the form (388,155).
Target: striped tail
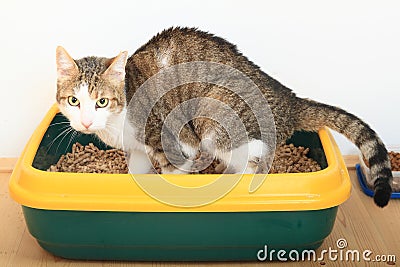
(314,115)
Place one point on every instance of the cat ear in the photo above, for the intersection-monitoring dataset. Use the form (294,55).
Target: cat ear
(66,66)
(116,71)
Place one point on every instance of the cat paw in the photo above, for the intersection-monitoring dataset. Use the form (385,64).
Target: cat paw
(383,191)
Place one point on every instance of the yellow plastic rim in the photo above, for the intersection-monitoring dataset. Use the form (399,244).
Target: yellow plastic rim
(119,192)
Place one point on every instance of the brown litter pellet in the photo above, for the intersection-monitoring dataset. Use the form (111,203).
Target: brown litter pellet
(394,160)
(292,159)
(395,163)
(89,158)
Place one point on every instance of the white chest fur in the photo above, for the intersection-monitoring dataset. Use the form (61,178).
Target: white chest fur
(119,133)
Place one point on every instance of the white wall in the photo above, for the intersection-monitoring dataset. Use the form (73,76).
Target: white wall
(342,53)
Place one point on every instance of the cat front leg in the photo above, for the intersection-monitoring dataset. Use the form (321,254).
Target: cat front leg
(139,162)
(170,169)
(250,158)
(173,164)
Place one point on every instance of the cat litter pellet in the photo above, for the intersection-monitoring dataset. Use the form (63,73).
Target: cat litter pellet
(90,159)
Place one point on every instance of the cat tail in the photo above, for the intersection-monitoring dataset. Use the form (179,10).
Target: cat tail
(314,115)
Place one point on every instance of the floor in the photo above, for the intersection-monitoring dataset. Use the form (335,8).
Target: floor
(363,226)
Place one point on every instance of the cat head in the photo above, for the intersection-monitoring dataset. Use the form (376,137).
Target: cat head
(90,91)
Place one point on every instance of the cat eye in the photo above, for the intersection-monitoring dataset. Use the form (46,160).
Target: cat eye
(73,101)
(102,102)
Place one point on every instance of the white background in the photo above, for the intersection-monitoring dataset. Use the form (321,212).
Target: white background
(344,53)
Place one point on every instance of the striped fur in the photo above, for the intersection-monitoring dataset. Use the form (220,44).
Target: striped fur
(180,45)
(313,115)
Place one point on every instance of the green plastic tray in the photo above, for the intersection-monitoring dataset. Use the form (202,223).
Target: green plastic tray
(85,216)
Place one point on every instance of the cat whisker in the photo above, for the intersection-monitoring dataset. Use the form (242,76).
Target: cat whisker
(68,132)
(65,127)
(58,136)
(73,137)
(58,123)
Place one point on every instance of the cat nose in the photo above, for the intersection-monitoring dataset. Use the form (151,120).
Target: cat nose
(87,124)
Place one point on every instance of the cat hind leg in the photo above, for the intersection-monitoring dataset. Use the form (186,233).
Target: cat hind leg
(248,158)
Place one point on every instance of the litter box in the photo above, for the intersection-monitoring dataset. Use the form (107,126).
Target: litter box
(364,177)
(109,217)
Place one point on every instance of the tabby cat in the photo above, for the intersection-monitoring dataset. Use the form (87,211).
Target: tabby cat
(96,93)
